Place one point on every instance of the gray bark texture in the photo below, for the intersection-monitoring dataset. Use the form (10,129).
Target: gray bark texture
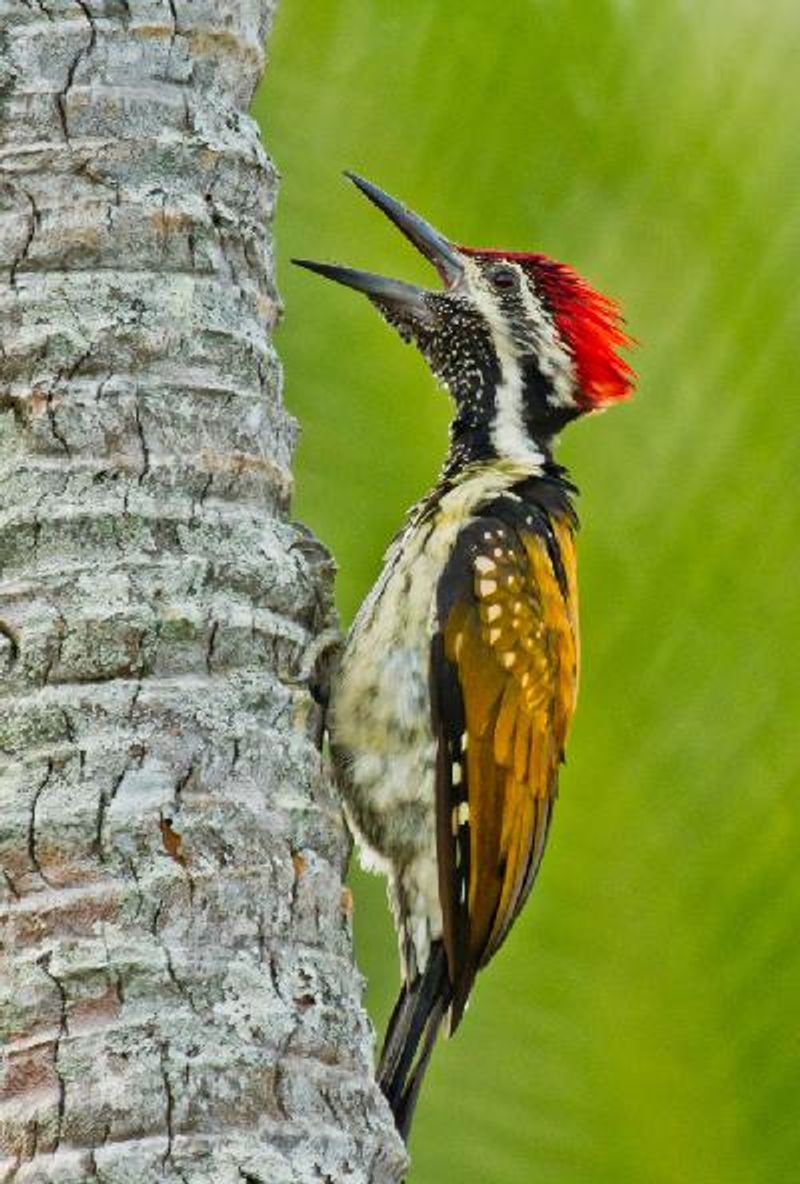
(178,999)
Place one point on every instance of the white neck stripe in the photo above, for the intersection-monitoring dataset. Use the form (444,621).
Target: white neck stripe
(555,361)
(509,437)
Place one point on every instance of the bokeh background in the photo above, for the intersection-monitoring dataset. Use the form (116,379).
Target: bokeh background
(642,1023)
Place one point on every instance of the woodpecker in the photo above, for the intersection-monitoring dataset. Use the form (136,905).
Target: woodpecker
(450,709)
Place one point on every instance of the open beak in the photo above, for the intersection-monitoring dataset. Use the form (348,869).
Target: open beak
(427,240)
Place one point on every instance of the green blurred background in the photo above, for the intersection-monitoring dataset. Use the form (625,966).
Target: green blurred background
(641,1024)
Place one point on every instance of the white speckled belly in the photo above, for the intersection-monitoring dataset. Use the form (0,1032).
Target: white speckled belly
(381,728)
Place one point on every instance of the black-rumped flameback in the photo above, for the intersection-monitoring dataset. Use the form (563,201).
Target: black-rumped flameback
(450,709)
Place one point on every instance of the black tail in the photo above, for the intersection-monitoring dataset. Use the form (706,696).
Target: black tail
(411,1035)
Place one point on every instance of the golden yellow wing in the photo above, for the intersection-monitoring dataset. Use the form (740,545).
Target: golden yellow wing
(504,669)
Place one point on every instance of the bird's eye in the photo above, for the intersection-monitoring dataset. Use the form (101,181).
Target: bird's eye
(503,277)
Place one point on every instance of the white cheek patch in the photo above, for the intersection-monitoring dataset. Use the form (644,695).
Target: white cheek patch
(555,360)
(509,437)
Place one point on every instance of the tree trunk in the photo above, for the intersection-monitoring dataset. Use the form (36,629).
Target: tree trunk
(178,999)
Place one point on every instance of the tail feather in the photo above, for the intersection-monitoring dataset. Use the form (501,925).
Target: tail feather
(413,1027)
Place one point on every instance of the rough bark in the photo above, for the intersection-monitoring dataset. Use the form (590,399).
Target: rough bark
(177,994)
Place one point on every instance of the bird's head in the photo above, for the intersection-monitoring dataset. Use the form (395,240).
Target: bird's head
(522,343)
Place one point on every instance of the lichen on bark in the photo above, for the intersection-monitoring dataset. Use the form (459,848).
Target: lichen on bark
(178,999)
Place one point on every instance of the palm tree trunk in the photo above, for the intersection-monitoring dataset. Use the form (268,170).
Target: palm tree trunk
(178,999)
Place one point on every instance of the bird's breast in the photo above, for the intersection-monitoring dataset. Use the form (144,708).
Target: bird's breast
(380,717)
(380,706)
